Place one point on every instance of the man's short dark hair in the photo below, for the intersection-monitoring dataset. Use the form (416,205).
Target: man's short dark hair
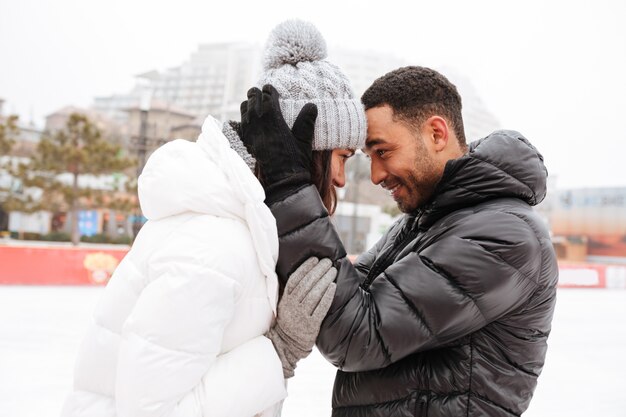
(415,94)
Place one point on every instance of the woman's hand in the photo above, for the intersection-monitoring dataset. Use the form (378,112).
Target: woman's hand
(307,298)
(284,155)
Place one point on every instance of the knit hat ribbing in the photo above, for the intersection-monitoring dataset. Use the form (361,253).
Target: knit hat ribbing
(295,64)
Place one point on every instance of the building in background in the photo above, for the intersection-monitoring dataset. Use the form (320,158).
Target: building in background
(215,79)
(164,118)
(155,122)
(28,135)
(588,224)
(115,106)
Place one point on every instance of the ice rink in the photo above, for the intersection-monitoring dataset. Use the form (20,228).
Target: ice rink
(41,328)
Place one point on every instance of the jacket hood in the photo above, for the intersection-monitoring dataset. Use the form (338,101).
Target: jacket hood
(503,164)
(208,177)
(183,176)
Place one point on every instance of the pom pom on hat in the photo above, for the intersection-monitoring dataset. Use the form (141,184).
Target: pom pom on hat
(295,64)
(294,41)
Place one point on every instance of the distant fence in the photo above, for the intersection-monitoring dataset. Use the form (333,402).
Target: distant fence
(93,265)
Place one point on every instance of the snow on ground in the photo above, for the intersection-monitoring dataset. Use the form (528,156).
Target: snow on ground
(41,328)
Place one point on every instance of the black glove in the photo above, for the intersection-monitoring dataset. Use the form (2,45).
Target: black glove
(283,155)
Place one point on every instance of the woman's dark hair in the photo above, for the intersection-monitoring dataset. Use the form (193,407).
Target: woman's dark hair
(322,179)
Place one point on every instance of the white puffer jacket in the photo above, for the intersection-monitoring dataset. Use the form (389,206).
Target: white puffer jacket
(179,329)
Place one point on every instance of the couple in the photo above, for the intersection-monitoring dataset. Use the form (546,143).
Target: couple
(447,315)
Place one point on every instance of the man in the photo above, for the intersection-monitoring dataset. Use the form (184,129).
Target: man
(449,313)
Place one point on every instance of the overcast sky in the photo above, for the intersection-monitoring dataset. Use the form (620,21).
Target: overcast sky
(553,70)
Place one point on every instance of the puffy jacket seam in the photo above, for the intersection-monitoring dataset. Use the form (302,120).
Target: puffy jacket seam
(490,402)
(203,261)
(167,239)
(521,218)
(514,364)
(447,394)
(413,308)
(541,246)
(96,319)
(453,282)
(471,371)
(104,327)
(457,186)
(210,270)
(279,195)
(138,272)
(100,394)
(302,226)
(395,400)
(238,292)
(526,278)
(380,338)
(167,348)
(523,275)
(286,200)
(339,313)
(362,268)
(450,278)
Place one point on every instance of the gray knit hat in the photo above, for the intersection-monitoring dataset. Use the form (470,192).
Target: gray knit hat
(294,63)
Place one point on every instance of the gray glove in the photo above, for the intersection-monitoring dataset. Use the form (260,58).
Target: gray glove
(307,298)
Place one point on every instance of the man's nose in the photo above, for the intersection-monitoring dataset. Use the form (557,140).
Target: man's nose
(377,173)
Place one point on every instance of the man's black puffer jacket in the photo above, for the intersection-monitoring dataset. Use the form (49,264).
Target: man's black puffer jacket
(449,313)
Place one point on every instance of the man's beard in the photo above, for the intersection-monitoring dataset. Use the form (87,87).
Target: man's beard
(419,184)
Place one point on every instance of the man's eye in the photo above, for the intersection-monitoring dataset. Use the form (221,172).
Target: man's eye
(381,152)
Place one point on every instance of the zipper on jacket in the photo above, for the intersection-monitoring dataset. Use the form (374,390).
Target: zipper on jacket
(406,235)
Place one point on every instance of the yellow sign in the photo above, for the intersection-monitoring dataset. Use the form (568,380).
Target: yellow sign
(100,266)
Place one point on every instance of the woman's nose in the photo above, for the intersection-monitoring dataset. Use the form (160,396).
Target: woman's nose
(339,179)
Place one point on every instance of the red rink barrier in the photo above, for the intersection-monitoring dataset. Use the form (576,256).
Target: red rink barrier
(37,264)
(58,265)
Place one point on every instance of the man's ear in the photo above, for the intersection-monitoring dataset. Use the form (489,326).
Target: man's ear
(438,132)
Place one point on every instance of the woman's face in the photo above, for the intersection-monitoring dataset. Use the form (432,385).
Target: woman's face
(338,166)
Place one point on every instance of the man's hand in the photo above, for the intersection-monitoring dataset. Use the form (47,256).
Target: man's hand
(307,298)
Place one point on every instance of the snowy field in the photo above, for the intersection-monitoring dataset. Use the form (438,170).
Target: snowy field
(41,328)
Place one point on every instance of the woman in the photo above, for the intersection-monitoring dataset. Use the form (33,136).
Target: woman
(181,328)
(295,65)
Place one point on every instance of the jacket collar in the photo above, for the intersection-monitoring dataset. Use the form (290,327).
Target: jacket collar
(502,165)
